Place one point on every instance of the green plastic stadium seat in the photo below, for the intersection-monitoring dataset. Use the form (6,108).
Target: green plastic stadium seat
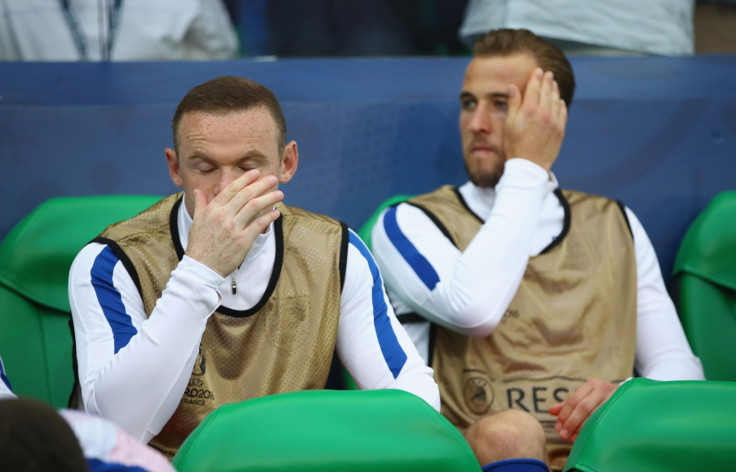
(704,282)
(651,426)
(327,431)
(35,257)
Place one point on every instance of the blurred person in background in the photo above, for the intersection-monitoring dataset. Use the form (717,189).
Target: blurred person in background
(593,27)
(115,30)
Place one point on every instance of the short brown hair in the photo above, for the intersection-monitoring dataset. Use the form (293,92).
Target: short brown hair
(505,42)
(230,94)
(35,437)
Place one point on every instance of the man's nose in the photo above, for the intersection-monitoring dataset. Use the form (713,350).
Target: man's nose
(481,119)
(227,176)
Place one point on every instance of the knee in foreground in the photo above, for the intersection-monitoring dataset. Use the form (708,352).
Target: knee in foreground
(510,434)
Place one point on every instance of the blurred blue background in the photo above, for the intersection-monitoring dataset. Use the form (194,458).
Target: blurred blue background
(658,133)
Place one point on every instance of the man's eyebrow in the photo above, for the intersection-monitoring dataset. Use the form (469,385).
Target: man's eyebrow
(491,95)
(257,155)
(199,155)
(254,154)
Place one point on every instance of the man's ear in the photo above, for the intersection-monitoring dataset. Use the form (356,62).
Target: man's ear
(173,163)
(289,162)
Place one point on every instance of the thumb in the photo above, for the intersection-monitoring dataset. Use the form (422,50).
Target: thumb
(200,202)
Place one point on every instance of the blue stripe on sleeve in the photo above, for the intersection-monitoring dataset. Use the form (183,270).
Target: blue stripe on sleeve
(3,377)
(419,264)
(110,300)
(392,351)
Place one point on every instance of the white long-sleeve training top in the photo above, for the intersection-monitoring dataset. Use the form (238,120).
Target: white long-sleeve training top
(139,384)
(522,216)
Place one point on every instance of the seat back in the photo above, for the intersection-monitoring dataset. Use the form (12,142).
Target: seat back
(35,257)
(652,426)
(327,431)
(704,282)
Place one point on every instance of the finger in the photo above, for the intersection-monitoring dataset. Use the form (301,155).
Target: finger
(546,105)
(513,105)
(200,202)
(555,409)
(601,392)
(562,113)
(242,197)
(546,88)
(578,416)
(575,435)
(514,102)
(582,412)
(568,406)
(259,224)
(256,207)
(234,187)
(533,90)
(554,101)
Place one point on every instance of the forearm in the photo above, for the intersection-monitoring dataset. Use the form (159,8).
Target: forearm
(662,350)
(418,379)
(473,287)
(360,360)
(371,343)
(140,385)
(485,278)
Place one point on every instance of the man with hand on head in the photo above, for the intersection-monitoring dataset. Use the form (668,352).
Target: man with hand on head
(222,293)
(532,304)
